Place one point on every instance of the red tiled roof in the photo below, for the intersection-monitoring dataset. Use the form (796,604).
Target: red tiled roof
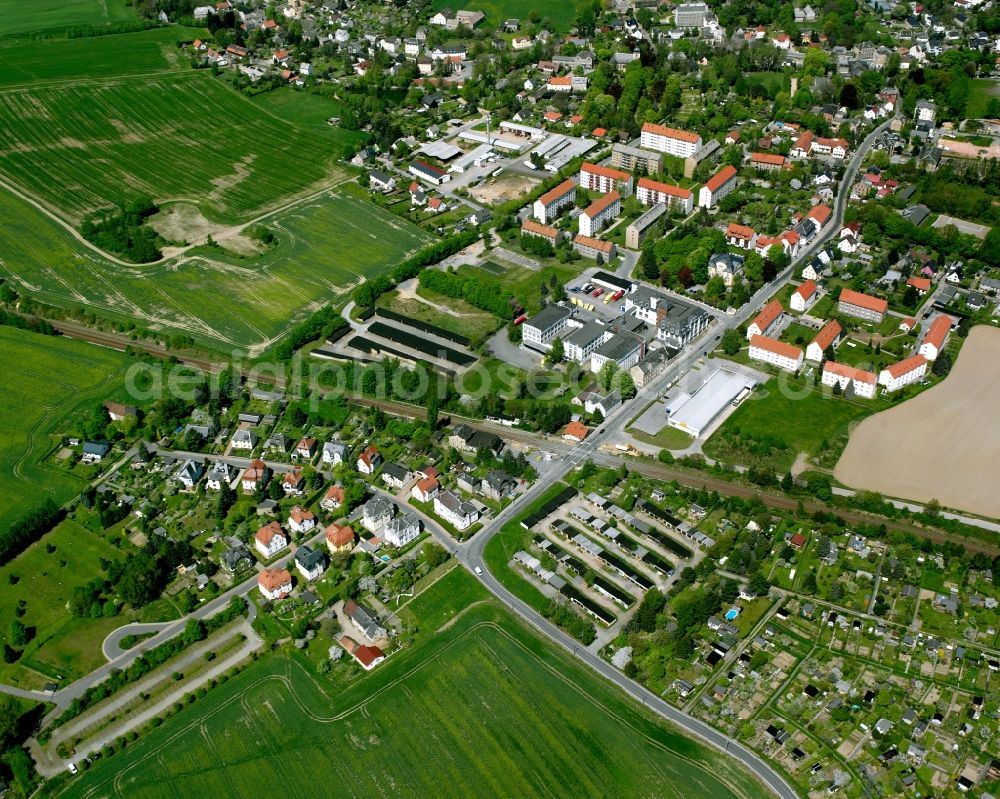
(274,578)
(335,493)
(577,430)
(613,174)
(820,213)
(905,366)
(804,141)
(665,188)
(670,133)
(531,226)
(938,331)
(767,158)
(560,80)
(919,283)
(597,133)
(797,540)
(600,204)
(777,347)
(852,297)
(300,514)
(739,231)
(767,316)
(561,190)
(843,370)
(427,484)
(267,533)
(807,289)
(339,536)
(828,334)
(552,116)
(719,179)
(595,244)
(366,655)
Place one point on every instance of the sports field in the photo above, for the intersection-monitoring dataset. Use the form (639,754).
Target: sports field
(17,16)
(943,444)
(480,709)
(61,644)
(44,380)
(325,246)
(84,146)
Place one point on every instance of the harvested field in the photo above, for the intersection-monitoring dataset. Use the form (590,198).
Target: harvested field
(944,444)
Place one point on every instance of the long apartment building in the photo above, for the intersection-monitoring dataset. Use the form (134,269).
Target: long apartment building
(860,382)
(639,229)
(600,213)
(862,306)
(777,353)
(548,206)
(631,158)
(595,177)
(717,187)
(651,192)
(671,141)
(767,320)
(902,373)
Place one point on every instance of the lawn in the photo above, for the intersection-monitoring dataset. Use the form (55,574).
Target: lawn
(86,146)
(44,380)
(306,110)
(219,299)
(53,16)
(480,708)
(62,645)
(560,13)
(669,437)
(94,57)
(983,91)
(801,416)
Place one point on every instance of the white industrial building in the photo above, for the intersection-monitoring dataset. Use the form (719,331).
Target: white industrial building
(693,412)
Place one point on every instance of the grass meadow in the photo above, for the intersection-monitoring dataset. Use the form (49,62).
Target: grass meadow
(187,136)
(221,300)
(45,380)
(62,645)
(479,707)
(53,16)
(804,423)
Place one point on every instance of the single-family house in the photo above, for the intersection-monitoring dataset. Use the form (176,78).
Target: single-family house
(339,539)
(455,510)
(270,540)
(301,520)
(274,584)
(377,513)
(310,562)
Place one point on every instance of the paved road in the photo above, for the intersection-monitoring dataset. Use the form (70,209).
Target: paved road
(470,554)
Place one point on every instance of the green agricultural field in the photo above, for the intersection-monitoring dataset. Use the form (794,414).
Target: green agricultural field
(479,708)
(52,16)
(62,645)
(804,418)
(98,58)
(44,380)
(306,110)
(219,299)
(185,136)
(561,13)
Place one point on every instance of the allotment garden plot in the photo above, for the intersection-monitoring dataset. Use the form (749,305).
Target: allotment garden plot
(182,136)
(325,247)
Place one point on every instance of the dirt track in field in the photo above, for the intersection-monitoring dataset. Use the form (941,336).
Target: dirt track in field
(943,444)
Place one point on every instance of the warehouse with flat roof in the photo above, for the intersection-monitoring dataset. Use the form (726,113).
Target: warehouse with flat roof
(694,412)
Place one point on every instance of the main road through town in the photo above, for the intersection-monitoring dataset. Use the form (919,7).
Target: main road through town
(470,554)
